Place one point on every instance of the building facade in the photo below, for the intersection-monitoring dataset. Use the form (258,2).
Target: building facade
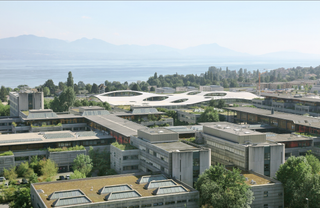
(24,101)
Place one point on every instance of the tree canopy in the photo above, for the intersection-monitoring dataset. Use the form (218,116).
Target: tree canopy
(301,180)
(70,80)
(83,163)
(222,188)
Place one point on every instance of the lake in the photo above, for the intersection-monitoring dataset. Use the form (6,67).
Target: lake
(36,72)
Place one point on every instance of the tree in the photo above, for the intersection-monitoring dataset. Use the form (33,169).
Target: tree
(10,174)
(300,179)
(221,103)
(46,91)
(106,106)
(209,115)
(81,85)
(76,89)
(77,175)
(223,188)
(23,169)
(3,94)
(70,80)
(88,87)
(55,105)
(35,164)
(83,164)
(95,88)
(136,87)
(22,198)
(315,92)
(62,86)
(49,83)
(100,160)
(155,76)
(67,98)
(48,168)
(152,89)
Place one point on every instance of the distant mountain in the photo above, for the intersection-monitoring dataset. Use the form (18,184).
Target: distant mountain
(38,48)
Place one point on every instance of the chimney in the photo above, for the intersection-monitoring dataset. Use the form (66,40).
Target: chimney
(272,111)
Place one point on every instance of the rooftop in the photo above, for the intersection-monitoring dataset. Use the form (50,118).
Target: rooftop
(117,124)
(235,129)
(306,99)
(157,131)
(173,146)
(285,137)
(298,119)
(100,189)
(47,137)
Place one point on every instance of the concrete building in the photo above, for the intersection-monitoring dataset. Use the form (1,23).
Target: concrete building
(125,191)
(25,100)
(186,89)
(289,104)
(232,145)
(24,146)
(165,90)
(189,116)
(160,150)
(211,88)
(285,85)
(137,99)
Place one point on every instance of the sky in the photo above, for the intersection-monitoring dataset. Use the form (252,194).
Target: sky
(251,27)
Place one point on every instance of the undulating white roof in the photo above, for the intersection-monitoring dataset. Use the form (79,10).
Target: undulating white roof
(137,98)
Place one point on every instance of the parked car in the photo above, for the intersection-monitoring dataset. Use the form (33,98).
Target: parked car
(24,181)
(61,178)
(2,179)
(67,177)
(18,182)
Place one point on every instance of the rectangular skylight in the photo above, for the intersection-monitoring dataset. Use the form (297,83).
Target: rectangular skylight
(163,183)
(170,190)
(122,195)
(116,188)
(147,179)
(64,194)
(71,201)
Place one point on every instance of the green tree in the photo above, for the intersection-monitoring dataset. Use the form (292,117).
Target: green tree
(152,89)
(23,169)
(315,92)
(70,80)
(49,83)
(95,88)
(313,162)
(33,178)
(221,103)
(22,198)
(55,105)
(155,76)
(62,86)
(4,110)
(35,164)
(136,87)
(83,164)
(3,94)
(10,174)
(223,188)
(46,104)
(209,115)
(298,180)
(88,87)
(48,168)
(67,98)
(76,89)
(77,175)
(106,106)
(46,91)
(100,160)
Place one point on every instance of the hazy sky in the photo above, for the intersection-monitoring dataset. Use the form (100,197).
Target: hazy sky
(251,27)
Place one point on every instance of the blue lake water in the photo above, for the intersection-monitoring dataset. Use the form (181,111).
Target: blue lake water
(36,72)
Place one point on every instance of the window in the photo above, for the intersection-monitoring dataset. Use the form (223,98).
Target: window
(265,206)
(280,194)
(171,202)
(134,206)
(288,154)
(265,194)
(134,167)
(181,201)
(146,205)
(21,158)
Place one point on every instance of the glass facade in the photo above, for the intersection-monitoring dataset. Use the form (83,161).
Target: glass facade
(196,166)
(30,101)
(267,161)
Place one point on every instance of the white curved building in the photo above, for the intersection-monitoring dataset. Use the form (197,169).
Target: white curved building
(174,101)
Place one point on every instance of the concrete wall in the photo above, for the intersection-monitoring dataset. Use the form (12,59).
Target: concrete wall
(117,159)
(6,162)
(277,158)
(254,138)
(38,101)
(205,160)
(268,194)
(256,159)
(23,102)
(182,166)
(158,137)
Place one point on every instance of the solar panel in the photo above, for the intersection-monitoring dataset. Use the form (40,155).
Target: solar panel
(42,115)
(57,135)
(146,179)
(64,194)
(170,190)
(122,195)
(164,183)
(20,140)
(117,188)
(95,113)
(71,201)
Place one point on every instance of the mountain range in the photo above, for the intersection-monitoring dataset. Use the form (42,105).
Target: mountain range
(32,47)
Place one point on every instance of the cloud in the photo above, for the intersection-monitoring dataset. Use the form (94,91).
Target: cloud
(116,34)
(86,17)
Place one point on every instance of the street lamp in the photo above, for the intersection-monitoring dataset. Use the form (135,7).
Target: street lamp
(307,202)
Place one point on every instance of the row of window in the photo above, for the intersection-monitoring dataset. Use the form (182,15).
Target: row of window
(235,162)
(151,152)
(223,147)
(131,157)
(161,203)
(134,167)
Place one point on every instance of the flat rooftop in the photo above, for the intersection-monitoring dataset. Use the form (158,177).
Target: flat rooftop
(91,187)
(235,129)
(173,146)
(298,119)
(306,99)
(157,131)
(285,137)
(51,136)
(117,124)
(184,129)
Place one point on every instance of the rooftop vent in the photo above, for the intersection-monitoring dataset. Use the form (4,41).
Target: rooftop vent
(253,182)
(246,178)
